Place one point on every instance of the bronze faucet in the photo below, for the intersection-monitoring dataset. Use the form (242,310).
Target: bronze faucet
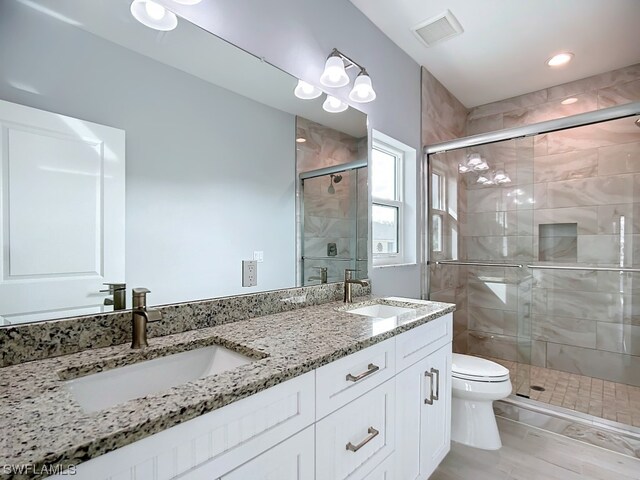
(348,282)
(141,315)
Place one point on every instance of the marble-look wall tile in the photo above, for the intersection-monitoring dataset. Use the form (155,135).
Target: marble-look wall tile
(513,103)
(499,248)
(519,222)
(491,345)
(565,330)
(624,158)
(460,343)
(585,217)
(443,115)
(609,190)
(603,249)
(488,320)
(595,82)
(615,337)
(609,366)
(548,111)
(493,295)
(482,224)
(485,200)
(539,353)
(580,280)
(619,94)
(566,166)
(612,217)
(489,123)
(599,306)
(613,132)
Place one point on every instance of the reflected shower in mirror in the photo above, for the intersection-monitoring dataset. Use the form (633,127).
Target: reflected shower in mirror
(146,158)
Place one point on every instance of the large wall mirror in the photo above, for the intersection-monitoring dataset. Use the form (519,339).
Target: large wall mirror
(162,159)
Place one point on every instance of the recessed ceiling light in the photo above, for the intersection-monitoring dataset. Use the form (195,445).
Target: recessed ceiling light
(301,140)
(569,101)
(560,59)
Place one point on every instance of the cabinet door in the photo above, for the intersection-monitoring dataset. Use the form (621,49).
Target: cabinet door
(411,390)
(293,459)
(435,420)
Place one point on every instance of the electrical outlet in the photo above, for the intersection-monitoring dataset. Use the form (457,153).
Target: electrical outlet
(249,273)
(258,256)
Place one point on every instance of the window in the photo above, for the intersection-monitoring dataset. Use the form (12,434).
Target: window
(438,207)
(387,208)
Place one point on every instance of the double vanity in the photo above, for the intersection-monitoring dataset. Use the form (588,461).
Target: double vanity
(329,391)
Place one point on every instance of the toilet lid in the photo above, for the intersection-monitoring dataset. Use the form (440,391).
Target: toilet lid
(467,366)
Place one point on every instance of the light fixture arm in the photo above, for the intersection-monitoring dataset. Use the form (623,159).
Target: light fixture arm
(349,63)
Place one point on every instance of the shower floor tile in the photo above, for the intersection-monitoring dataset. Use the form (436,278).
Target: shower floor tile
(609,400)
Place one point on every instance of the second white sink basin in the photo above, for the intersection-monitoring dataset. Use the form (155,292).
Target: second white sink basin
(380,311)
(112,387)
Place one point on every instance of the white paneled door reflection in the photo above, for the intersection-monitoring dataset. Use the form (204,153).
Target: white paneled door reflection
(62,213)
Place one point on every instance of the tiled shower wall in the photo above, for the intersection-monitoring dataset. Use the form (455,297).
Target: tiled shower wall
(331,218)
(586,178)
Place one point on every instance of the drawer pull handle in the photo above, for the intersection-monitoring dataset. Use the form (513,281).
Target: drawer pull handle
(371,368)
(373,433)
(437,373)
(429,400)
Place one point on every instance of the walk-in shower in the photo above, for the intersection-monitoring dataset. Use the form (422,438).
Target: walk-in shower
(534,233)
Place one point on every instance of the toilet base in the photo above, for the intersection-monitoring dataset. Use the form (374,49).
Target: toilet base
(474,424)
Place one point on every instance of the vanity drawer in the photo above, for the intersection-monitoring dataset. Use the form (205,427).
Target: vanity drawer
(346,379)
(353,441)
(421,341)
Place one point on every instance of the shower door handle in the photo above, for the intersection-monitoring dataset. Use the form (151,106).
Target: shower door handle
(429,400)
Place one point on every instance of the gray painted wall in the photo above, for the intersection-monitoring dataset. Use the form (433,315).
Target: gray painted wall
(198,157)
(297,36)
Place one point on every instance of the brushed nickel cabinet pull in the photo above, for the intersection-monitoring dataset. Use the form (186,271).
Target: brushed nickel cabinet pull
(371,368)
(437,373)
(429,400)
(373,433)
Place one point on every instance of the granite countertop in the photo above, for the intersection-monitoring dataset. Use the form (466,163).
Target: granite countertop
(42,425)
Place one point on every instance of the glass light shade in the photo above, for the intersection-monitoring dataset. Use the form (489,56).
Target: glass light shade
(187,2)
(474,159)
(482,179)
(499,176)
(481,167)
(504,180)
(462,168)
(334,74)
(153,15)
(362,91)
(334,105)
(306,91)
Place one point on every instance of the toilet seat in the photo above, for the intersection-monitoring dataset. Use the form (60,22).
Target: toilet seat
(476,369)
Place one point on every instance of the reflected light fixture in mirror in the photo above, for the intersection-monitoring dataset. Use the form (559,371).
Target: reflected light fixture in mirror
(153,15)
(334,105)
(306,91)
(187,2)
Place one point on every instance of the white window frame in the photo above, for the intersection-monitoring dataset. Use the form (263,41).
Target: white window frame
(438,212)
(391,258)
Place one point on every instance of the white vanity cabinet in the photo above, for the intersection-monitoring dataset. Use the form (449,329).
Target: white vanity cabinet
(423,402)
(382,413)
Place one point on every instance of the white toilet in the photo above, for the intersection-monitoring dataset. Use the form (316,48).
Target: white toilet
(476,383)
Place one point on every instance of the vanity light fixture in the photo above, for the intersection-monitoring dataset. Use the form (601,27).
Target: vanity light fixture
(362,91)
(334,105)
(306,91)
(481,167)
(462,168)
(569,101)
(301,140)
(335,73)
(153,15)
(560,59)
(474,159)
(482,179)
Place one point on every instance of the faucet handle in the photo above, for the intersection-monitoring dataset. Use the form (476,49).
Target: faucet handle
(141,291)
(114,287)
(140,297)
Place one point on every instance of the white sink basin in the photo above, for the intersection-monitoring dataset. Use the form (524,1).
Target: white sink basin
(380,311)
(112,387)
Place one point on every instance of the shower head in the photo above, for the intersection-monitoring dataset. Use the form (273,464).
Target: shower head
(336,179)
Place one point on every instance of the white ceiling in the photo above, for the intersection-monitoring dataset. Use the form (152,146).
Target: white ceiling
(505,43)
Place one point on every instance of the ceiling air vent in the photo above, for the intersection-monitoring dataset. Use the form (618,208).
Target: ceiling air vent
(437,29)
